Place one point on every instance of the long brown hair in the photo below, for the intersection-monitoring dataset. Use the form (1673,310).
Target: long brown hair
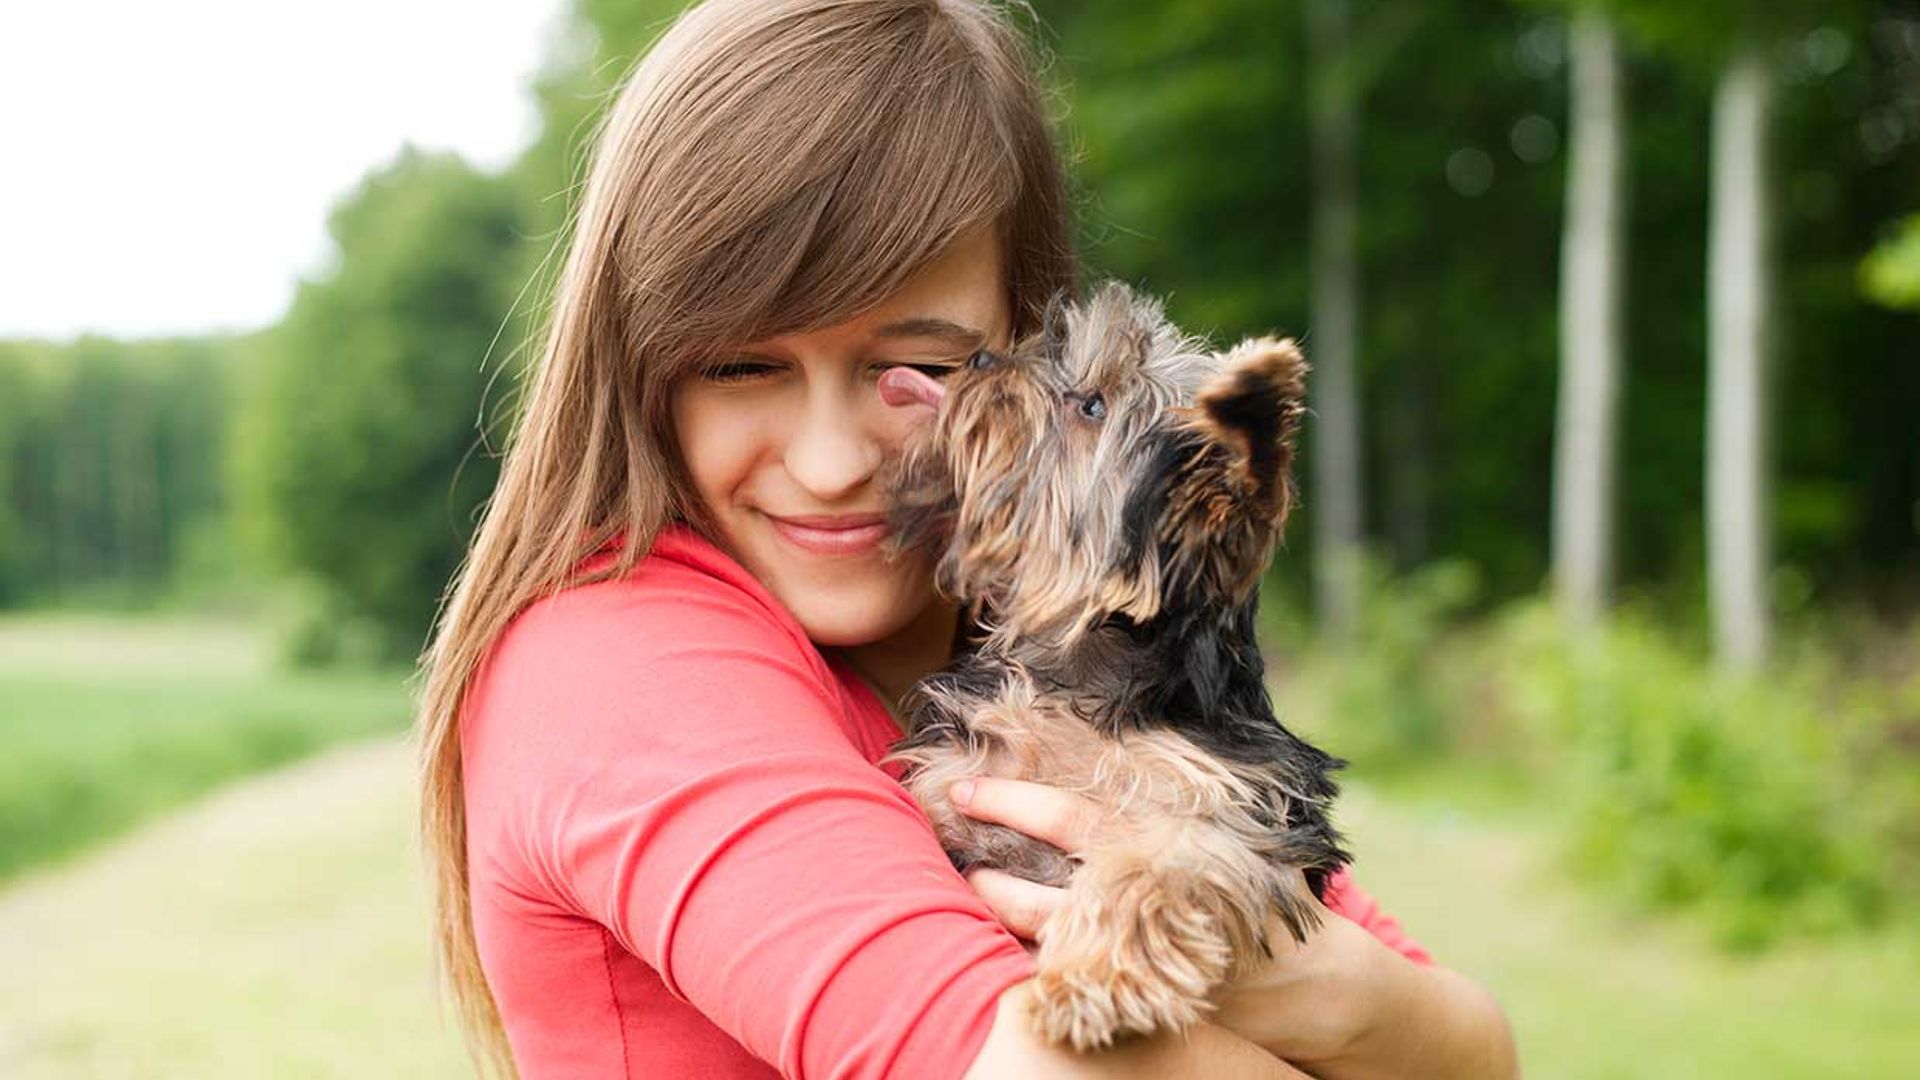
(770,166)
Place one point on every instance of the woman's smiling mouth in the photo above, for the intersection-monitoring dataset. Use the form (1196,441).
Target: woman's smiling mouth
(832,535)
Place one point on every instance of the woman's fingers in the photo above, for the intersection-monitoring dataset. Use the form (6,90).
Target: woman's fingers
(1047,813)
(1021,905)
(1059,817)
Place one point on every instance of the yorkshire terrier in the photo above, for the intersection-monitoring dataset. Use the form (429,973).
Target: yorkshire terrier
(1104,499)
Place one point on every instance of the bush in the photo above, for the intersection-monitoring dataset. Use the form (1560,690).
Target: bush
(1781,805)
(1381,700)
(1689,788)
(315,629)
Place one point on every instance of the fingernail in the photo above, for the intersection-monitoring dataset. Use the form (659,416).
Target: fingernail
(961,792)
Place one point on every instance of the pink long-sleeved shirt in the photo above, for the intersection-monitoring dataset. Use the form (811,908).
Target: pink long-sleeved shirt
(685,862)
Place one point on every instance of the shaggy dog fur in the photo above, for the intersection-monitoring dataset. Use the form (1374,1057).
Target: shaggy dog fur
(1105,499)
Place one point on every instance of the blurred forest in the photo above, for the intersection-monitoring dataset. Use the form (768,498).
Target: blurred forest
(1613,484)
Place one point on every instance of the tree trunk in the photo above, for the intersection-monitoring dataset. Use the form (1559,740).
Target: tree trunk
(1739,296)
(1590,328)
(1334,341)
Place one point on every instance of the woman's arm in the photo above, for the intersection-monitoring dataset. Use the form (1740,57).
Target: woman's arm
(1348,1007)
(668,760)
(1207,1052)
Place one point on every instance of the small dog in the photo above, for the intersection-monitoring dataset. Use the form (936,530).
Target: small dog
(1105,499)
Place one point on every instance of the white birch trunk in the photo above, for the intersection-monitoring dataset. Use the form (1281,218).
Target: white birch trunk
(1334,340)
(1590,327)
(1738,296)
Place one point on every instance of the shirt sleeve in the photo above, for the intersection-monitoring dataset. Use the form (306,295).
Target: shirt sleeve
(1350,900)
(680,775)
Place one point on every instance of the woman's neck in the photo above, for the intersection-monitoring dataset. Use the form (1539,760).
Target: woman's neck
(894,663)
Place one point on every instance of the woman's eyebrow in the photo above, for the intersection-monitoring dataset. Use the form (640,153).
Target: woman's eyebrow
(929,327)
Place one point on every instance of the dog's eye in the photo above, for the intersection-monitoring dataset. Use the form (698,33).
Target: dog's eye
(1093,406)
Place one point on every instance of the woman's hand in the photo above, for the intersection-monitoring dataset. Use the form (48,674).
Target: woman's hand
(1046,813)
(1304,1005)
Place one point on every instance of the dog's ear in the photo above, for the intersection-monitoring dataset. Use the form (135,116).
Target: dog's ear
(1220,485)
(1253,407)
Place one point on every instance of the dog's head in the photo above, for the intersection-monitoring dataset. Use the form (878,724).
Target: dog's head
(1108,466)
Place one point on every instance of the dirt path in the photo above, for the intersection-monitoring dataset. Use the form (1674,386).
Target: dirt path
(275,929)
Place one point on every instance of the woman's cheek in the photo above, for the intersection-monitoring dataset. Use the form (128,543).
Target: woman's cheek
(720,438)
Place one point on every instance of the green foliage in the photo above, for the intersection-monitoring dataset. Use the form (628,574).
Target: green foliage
(1186,132)
(1189,123)
(356,459)
(317,628)
(1891,274)
(107,454)
(1380,702)
(15,404)
(1779,808)
(1703,33)
(1689,789)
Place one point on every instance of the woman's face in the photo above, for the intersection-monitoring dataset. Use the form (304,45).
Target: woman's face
(784,440)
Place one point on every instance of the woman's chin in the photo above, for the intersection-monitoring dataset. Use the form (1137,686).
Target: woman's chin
(843,602)
(843,621)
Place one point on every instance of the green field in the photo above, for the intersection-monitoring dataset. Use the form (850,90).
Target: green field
(1595,992)
(277,926)
(275,929)
(105,721)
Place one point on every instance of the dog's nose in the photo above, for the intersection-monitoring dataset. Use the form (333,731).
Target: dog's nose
(982,359)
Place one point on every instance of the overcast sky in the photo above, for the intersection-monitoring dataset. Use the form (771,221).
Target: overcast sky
(166,166)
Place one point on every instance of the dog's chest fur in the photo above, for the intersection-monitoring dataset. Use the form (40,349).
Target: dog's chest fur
(1095,723)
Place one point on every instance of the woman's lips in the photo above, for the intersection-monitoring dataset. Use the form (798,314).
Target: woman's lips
(857,540)
(910,386)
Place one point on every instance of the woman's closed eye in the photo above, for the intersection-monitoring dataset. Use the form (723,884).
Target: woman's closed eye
(737,371)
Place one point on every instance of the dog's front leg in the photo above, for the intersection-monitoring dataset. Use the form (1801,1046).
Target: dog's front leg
(1154,919)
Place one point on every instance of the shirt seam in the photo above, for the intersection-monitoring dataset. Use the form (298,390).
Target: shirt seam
(613,994)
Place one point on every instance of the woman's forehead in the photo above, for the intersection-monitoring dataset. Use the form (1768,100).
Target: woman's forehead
(958,300)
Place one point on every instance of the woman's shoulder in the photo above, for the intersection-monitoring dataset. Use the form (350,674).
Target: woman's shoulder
(683,590)
(684,611)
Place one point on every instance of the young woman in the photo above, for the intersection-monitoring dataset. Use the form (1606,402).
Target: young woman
(653,707)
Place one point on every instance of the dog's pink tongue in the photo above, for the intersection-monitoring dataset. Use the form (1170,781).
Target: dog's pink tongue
(910,386)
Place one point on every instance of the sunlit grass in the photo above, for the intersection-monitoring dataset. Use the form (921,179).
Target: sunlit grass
(105,722)
(1594,991)
(275,929)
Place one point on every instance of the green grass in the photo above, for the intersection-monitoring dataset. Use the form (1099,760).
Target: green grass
(1595,991)
(108,721)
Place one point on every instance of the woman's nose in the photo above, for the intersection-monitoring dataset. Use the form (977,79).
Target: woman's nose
(832,451)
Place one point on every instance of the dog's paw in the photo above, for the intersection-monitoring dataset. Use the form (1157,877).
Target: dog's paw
(1091,1009)
(1124,961)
